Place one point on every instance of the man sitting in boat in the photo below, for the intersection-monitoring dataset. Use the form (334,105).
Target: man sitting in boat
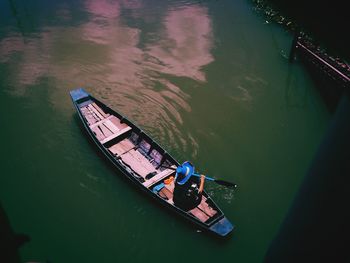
(188,187)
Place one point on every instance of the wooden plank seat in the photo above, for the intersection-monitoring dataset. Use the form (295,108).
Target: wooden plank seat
(121,147)
(101,121)
(137,162)
(158,177)
(108,128)
(114,135)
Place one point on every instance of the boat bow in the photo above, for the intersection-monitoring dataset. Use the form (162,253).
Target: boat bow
(222,227)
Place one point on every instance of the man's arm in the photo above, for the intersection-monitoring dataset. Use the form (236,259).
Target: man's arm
(201,186)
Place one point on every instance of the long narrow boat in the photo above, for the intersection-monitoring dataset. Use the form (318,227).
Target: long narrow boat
(142,160)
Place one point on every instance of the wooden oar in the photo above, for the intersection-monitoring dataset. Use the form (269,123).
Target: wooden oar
(221,182)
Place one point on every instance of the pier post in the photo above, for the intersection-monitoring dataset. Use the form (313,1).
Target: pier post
(294,45)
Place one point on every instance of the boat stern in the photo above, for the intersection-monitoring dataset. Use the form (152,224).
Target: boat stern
(222,227)
(78,94)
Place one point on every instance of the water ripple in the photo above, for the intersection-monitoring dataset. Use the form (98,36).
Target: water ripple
(112,60)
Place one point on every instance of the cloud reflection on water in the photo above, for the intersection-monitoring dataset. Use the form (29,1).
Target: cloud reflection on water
(105,55)
(185,49)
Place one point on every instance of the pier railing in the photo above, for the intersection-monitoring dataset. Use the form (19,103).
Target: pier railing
(323,62)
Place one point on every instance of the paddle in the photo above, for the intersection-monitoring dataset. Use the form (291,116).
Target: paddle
(221,182)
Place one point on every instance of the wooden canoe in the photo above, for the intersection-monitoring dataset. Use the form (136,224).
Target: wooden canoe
(141,160)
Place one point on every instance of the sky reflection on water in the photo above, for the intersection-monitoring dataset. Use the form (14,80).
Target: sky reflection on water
(207,79)
(112,60)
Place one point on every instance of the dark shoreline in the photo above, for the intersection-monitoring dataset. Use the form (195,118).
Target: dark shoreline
(330,71)
(323,41)
(325,21)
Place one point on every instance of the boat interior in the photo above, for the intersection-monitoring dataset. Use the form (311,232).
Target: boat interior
(139,155)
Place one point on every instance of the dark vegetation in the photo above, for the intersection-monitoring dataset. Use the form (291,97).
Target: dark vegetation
(326,21)
(321,27)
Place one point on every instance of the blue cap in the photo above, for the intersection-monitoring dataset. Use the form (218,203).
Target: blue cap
(186,169)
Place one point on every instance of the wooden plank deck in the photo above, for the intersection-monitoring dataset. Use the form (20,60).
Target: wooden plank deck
(203,211)
(137,162)
(206,208)
(106,132)
(88,116)
(111,126)
(121,147)
(92,108)
(199,214)
(99,135)
(116,121)
(158,177)
(105,115)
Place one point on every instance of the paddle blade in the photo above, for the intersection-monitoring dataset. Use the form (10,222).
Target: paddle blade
(225,183)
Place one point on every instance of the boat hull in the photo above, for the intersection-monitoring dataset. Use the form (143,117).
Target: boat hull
(219,226)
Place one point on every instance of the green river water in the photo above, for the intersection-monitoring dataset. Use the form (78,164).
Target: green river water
(209,80)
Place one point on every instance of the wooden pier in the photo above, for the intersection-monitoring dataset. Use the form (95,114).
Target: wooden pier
(321,61)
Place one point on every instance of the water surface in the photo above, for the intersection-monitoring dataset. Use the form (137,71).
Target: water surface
(209,80)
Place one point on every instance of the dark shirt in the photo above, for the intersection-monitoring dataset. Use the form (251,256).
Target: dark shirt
(186,196)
